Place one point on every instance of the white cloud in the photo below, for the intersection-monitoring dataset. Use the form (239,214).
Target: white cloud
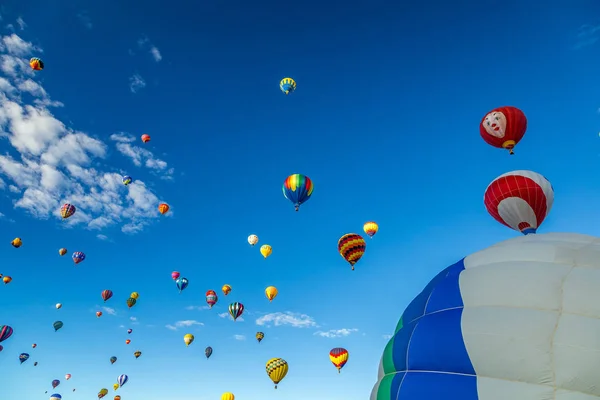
(21,23)
(53,164)
(181,324)
(155,53)
(132,318)
(335,333)
(85,19)
(109,310)
(197,308)
(239,337)
(144,43)
(102,237)
(136,83)
(140,156)
(226,314)
(287,318)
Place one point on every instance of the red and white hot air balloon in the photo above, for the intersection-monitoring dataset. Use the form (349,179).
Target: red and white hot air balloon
(503,127)
(520,200)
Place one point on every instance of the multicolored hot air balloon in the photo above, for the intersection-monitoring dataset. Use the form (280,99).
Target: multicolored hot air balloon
(78,257)
(236,310)
(33,346)
(67,210)
(252,239)
(23,357)
(129,331)
(371,228)
(36,64)
(181,283)
(102,393)
(188,339)
(503,127)
(260,336)
(352,247)
(55,383)
(62,251)
(287,85)
(126,180)
(137,354)
(131,302)
(122,380)
(226,289)
(271,293)
(106,294)
(68,376)
(227,396)
(297,188)
(113,359)
(57,325)
(98,314)
(16,243)
(145,138)
(208,352)
(520,200)
(163,208)
(277,369)
(175,275)
(56,396)
(127,341)
(211,298)
(339,357)
(266,250)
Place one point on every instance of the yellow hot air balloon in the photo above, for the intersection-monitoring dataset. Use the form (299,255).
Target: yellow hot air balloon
(188,339)
(17,242)
(226,289)
(277,369)
(62,251)
(370,228)
(115,386)
(271,292)
(134,295)
(266,250)
(252,239)
(102,393)
(227,396)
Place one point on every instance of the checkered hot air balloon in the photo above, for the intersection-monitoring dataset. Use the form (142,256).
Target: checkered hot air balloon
(352,247)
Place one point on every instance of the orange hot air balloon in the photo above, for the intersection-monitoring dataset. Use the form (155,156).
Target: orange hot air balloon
(7,280)
(163,208)
(226,289)
(127,341)
(98,314)
(62,251)
(145,138)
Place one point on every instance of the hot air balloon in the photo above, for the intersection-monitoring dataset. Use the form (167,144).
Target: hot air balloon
(260,336)
(339,357)
(134,295)
(297,188)
(271,292)
(266,250)
(127,341)
(370,228)
(67,210)
(16,243)
(23,357)
(78,257)
(36,64)
(188,339)
(122,380)
(131,302)
(62,251)
(115,386)
(58,306)
(181,283)
(106,294)
(102,393)
(226,289)
(68,376)
(35,364)
(352,247)
(6,279)
(137,354)
(117,397)
(175,275)
(503,127)
(129,330)
(277,369)
(526,307)
(145,138)
(1,348)
(227,396)
(56,396)
(126,180)
(57,325)
(98,314)
(208,352)
(113,359)
(287,85)
(55,383)
(520,200)
(236,310)
(211,298)
(33,346)
(163,208)
(252,239)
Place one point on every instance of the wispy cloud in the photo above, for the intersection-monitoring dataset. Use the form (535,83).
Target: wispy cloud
(287,318)
(226,315)
(21,23)
(136,83)
(239,337)
(102,237)
(134,320)
(387,337)
(182,324)
(51,164)
(587,35)
(140,156)
(85,19)
(145,44)
(335,333)
(110,311)
(197,308)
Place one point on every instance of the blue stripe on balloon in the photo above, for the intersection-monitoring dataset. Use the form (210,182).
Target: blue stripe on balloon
(436,386)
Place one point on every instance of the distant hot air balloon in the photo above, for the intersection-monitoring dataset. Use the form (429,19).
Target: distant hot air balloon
(175,275)
(163,208)
(227,396)
(370,228)
(181,283)
(352,247)
(106,294)
(16,243)
(33,346)
(5,332)
(57,325)
(56,396)
(55,383)
(226,289)
(1,348)
(67,210)
(277,369)
(188,339)
(131,302)
(236,310)
(271,292)
(252,239)
(78,257)
(62,251)
(6,279)
(287,85)
(98,314)
(503,127)
(211,298)
(208,352)
(260,336)
(35,364)
(122,380)
(117,397)
(36,64)
(127,341)
(126,180)
(115,386)
(134,295)
(297,188)
(137,354)
(113,359)
(102,393)
(129,330)
(520,200)
(58,306)
(266,250)
(339,357)
(145,138)
(68,376)
(23,357)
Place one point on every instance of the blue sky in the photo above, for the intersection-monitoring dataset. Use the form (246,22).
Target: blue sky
(384,120)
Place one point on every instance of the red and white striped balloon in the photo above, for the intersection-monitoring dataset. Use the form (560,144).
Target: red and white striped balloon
(520,200)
